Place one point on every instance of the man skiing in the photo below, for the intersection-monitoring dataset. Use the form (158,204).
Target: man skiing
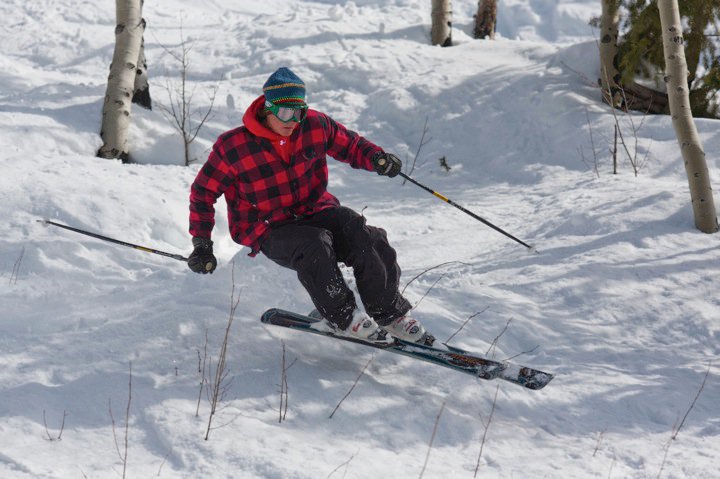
(274,175)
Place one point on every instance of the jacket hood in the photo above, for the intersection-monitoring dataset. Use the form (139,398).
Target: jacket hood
(251,122)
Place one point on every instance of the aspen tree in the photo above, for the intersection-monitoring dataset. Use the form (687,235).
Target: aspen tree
(441,31)
(676,79)
(121,80)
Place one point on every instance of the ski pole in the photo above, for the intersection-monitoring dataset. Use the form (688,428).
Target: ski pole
(464,210)
(122,243)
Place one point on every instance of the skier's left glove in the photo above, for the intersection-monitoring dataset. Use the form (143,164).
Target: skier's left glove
(202,260)
(386,164)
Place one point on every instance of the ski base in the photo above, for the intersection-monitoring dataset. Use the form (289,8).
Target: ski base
(453,358)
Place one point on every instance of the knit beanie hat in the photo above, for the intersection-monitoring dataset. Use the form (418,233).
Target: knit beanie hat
(285,87)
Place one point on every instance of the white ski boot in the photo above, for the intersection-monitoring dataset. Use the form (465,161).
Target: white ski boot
(410,330)
(364,327)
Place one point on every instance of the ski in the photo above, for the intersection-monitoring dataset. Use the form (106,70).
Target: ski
(453,358)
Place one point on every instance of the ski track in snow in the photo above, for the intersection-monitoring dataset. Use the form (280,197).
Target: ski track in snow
(619,302)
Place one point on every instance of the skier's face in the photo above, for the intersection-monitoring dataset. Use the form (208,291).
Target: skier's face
(279,127)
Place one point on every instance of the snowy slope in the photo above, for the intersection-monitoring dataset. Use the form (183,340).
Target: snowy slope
(620,300)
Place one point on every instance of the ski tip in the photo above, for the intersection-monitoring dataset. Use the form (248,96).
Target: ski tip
(538,380)
(265,318)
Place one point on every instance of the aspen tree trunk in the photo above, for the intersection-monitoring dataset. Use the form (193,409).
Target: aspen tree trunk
(631,96)
(676,74)
(485,19)
(441,31)
(141,90)
(121,81)
(609,75)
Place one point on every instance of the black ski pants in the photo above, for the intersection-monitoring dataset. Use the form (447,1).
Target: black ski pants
(312,246)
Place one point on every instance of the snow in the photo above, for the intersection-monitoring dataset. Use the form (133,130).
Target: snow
(619,302)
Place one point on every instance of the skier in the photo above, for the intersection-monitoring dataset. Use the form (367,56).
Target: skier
(273,173)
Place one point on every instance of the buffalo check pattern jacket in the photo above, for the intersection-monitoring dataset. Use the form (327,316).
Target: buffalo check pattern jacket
(268,179)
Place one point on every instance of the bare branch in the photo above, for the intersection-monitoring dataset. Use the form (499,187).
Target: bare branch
(352,387)
(50,438)
(583,77)
(346,464)
(207,115)
(430,269)
(612,466)
(179,113)
(529,351)
(227,422)
(599,440)
(124,454)
(632,158)
(620,100)
(220,386)
(614,150)
(487,426)
(432,438)
(162,464)
(16,267)
(428,291)
(676,429)
(464,324)
(692,405)
(202,368)
(419,148)
(284,384)
(493,345)
(592,144)
(127,421)
(112,422)
(62,428)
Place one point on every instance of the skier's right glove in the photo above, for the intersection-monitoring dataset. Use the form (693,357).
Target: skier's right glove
(202,260)
(386,164)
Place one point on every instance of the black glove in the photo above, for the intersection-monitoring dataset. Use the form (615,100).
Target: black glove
(202,260)
(387,164)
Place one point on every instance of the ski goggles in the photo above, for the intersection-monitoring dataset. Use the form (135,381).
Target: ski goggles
(287,114)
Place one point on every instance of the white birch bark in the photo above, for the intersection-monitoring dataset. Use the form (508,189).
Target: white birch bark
(676,74)
(141,90)
(609,74)
(441,30)
(121,80)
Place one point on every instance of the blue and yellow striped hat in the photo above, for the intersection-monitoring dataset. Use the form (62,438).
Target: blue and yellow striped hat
(285,87)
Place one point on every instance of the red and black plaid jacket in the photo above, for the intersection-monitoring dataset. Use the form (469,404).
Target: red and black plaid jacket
(268,179)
